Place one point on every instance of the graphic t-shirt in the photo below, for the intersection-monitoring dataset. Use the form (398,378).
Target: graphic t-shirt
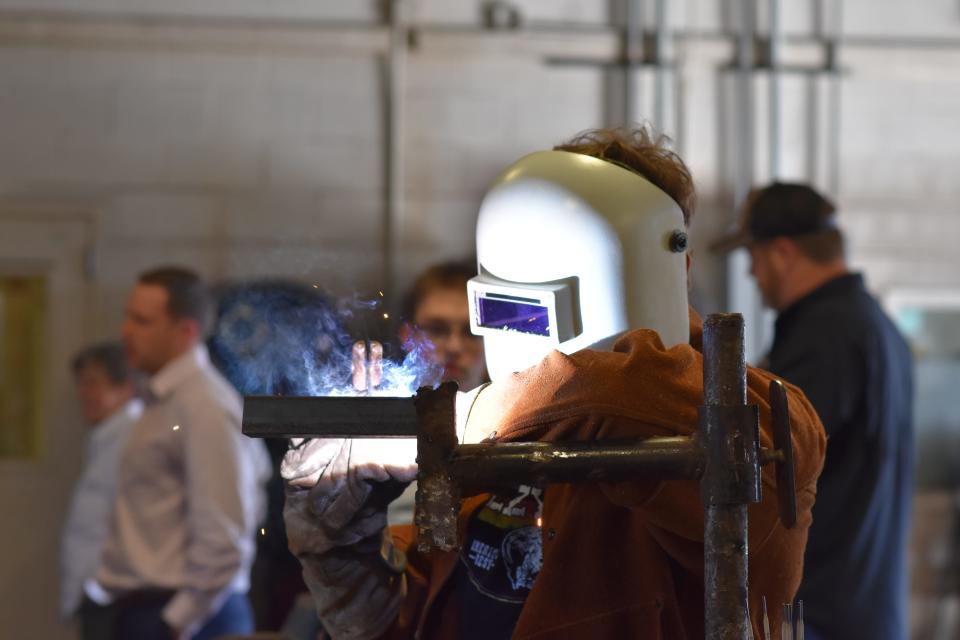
(499,562)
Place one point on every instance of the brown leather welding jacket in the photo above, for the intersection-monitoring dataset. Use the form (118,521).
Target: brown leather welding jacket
(625,560)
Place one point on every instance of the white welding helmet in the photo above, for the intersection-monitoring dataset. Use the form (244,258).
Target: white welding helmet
(572,252)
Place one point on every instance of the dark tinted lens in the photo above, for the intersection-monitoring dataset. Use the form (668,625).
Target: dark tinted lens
(513,316)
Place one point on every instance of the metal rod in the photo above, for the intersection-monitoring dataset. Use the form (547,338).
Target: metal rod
(773,88)
(786,625)
(833,100)
(659,72)
(329,417)
(632,94)
(766,621)
(741,293)
(799,621)
(813,128)
(745,109)
(726,606)
(396,71)
(484,465)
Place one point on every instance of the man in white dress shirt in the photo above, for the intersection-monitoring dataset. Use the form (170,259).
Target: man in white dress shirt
(190,492)
(106,390)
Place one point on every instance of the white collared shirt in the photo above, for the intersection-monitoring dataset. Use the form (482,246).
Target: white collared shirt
(88,517)
(190,495)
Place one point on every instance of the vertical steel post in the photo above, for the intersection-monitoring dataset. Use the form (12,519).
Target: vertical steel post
(724,487)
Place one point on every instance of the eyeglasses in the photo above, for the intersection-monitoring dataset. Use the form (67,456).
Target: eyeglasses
(440,331)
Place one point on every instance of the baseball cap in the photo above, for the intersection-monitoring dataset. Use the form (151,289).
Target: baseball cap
(780,209)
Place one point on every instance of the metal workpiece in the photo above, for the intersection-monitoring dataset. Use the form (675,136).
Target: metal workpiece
(730,441)
(329,417)
(490,465)
(438,496)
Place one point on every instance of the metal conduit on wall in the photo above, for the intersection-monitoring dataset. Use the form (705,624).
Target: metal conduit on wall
(742,294)
(395,69)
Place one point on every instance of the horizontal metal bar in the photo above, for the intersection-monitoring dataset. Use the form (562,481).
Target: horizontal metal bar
(329,417)
(485,465)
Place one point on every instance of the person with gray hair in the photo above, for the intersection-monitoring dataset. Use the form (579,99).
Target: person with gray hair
(190,486)
(106,390)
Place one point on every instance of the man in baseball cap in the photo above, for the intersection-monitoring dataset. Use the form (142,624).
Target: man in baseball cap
(780,223)
(834,341)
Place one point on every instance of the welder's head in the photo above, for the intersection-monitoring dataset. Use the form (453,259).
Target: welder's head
(104,381)
(580,244)
(437,315)
(168,313)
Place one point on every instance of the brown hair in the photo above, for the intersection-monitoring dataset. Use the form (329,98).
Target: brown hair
(108,355)
(187,295)
(821,247)
(644,152)
(446,275)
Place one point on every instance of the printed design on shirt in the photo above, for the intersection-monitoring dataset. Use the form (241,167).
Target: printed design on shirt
(523,556)
(503,552)
(483,555)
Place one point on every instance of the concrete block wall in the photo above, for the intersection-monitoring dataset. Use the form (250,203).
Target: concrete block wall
(247,140)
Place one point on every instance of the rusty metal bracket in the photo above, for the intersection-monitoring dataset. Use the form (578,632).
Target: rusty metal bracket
(438,497)
(732,437)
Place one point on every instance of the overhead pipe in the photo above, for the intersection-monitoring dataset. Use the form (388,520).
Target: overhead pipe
(394,170)
(745,113)
(634,26)
(660,72)
(833,97)
(773,87)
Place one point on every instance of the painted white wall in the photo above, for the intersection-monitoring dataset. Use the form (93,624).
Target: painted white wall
(246,139)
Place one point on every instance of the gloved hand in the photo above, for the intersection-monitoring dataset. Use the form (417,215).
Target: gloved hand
(338,488)
(336,517)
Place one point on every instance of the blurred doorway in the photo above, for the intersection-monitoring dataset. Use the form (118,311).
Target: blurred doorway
(44,308)
(931,322)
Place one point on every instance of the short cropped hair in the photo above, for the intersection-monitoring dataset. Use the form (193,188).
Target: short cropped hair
(108,355)
(823,247)
(644,152)
(187,294)
(446,275)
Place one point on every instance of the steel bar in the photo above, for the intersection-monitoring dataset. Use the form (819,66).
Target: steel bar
(395,87)
(773,89)
(635,22)
(329,417)
(661,35)
(485,465)
(725,550)
(438,496)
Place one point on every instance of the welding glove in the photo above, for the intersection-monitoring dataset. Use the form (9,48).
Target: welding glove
(338,488)
(337,493)
(335,512)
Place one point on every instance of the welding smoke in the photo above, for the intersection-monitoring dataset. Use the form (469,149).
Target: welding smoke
(283,338)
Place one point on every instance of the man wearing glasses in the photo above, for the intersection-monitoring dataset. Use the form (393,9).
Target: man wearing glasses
(437,316)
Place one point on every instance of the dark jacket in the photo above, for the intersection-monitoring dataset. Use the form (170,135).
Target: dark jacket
(837,345)
(625,560)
